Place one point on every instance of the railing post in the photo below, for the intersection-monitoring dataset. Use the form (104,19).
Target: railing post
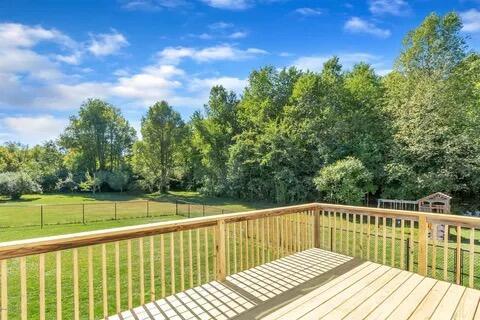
(422,245)
(41,216)
(316,228)
(83,213)
(220,251)
(189,210)
(115,210)
(176,207)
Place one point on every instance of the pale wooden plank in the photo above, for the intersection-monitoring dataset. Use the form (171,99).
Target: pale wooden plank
(353,302)
(152,268)
(76,302)
(129,273)
(426,308)
(199,261)
(318,308)
(402,243)
(280,313)
(172,263)
(410,303)
(471,253)
(4,290)
(445,254)
(468,304)
(41,285)
(182,263)
(104,280)
(446,308)
(190,258)
(396,297)
(162,264)
(58,281)
(118,301)
(324,293)
(91,297)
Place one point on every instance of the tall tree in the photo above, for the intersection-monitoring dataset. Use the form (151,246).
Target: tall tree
(99,138)
(153,158)
(429,97)
(213,135)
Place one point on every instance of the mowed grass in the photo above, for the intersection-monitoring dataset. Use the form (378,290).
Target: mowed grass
(102,209)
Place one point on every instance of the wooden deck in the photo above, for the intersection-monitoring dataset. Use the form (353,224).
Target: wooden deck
(317,284)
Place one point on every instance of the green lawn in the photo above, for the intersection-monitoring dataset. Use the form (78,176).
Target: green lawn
(65,213)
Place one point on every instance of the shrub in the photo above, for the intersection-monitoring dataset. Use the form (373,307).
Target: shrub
(344,181)
(15,184)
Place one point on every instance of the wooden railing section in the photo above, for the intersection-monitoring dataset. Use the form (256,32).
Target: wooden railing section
(92,275)
(95,274)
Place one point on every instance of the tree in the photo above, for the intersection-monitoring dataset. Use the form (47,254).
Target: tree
(345,181)
(67,184)
(15,184)
(118,180)
(99,136)
(213,136)
(91,183)
(431,101)
(153,157)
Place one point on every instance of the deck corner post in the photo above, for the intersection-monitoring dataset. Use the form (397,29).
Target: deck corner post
(316,228)
(422,245)
(220,250)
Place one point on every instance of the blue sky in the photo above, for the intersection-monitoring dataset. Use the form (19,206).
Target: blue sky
(55,54)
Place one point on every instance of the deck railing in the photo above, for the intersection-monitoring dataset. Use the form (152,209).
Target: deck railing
(95,274)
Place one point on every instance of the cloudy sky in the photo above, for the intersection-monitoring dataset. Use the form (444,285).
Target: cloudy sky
(55,54)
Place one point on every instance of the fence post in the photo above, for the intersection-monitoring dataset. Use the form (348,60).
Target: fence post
(189,210)
(148,209)
(223,211)
(41,216)
(176,207)
(115,210)
(316,228)
(83,213)
(422,245)
(203,209)
(331,239)
(220,250)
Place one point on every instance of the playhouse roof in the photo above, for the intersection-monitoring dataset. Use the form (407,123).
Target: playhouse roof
(436,196)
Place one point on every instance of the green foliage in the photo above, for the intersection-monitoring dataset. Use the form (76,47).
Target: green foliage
(91,183)
(118,180)
(153,157)
(99,138)
(67,184)
(15,184)
(344,181)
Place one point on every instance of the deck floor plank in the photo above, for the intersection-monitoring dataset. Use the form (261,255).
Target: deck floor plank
(316,284)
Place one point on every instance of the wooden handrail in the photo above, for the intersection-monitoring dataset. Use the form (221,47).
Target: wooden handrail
(464,221)
(13,249)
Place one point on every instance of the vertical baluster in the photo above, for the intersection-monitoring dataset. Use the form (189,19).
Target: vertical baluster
(162,264)
(234,247)
(152,268)
(129,274)
(172,263)
(41,286)
(334,238)
(471,257)
(4,289)
(215,253)
(248,231)
(227,244)
(340,223)
(411,245)
(384,244)
(91,301)
(392,246)
(104,280)
(117,278)
(434,250)
(376,239)
(269,240)
(58,280)
(354,234)
(240,243)
(257,241)
(361,236)
(277,223)
(445,253)
(207,268)
(182,264)
(23,288)
(190,257)
(369,235)
(76,302)
(199,262)
(459,255)
(402,243)
(347,230)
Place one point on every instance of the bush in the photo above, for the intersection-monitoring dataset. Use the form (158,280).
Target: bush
(67,184)
(15,184)
(345,181)
(118,180)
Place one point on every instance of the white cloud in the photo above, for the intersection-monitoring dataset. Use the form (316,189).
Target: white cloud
(315,63)
(220,25)
(237,35)
(229,4)
(22,36)
(107,43)
(393,7)
(205,84)
(174,55)
(309,11)
(152,5)
(31,130)
(471,20)
(358,25)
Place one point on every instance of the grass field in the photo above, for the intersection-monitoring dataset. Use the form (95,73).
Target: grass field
(66,213)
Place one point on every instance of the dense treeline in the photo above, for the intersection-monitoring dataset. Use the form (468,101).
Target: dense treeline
(292,136)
